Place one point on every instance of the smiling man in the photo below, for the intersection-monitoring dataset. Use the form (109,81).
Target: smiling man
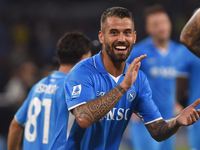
(98,121)
(118,41)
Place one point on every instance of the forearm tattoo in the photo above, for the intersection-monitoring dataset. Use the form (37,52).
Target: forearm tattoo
(162,129)
(95,109)
(191,32)
(191,28)
(195,47)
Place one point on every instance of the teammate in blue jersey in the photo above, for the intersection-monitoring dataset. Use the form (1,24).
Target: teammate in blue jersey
(160,67)
(190,37)
(38,114)
(102,92)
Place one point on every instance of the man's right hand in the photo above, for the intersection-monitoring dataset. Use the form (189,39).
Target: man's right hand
(132,73)
(189,115)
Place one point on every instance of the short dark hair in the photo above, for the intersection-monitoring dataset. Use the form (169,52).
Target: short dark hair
(71,46)
(116,12)
(156,8)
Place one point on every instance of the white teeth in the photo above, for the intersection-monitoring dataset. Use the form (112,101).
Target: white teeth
(121,47)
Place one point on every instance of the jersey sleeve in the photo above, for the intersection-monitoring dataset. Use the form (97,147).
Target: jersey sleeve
(78,87)
(146,109)
(21,114)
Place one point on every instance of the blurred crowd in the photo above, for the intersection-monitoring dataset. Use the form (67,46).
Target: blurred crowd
(29,31)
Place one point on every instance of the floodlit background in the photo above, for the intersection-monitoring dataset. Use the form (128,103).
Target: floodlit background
(30,29)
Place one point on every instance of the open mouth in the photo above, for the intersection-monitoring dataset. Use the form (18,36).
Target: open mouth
(120,48)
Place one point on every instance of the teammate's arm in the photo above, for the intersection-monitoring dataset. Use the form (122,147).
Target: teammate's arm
(182,90)
(15,135)
(190,35)
(94,110)
(163,129)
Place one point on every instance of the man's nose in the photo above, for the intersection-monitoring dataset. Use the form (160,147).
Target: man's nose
(121,37)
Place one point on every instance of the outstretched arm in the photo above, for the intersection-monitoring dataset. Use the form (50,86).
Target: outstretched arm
(94,110)
(14,135)
(163,129)
(190,35)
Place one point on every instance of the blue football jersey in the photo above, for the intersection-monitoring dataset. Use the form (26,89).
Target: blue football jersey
(161,71)
(89,80)
(38,113)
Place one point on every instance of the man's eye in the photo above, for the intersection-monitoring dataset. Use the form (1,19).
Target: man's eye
(113,32)
(127,32)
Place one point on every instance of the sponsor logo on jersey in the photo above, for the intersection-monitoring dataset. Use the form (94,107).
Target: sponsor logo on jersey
(47,89)
(131,94)
(76,91)
(165,72)
(100,93)
(117,114)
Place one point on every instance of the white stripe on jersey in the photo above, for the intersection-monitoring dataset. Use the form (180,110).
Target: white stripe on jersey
(70,108)
(94,62)
(70,123)
(153,121)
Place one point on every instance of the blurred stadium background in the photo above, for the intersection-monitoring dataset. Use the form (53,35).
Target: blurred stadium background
(30,29)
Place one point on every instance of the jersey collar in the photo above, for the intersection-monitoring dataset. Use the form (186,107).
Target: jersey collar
(151,42)
(99,64)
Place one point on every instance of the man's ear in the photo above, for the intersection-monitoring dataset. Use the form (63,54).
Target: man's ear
(101,37)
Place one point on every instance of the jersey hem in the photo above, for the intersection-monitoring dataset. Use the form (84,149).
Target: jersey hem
(18,121)
(149,122)
(70,108)
(182,74)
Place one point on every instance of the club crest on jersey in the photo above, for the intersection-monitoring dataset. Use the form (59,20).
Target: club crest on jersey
(131,94)
(76,91)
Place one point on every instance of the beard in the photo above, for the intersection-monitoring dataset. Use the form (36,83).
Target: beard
(117,57)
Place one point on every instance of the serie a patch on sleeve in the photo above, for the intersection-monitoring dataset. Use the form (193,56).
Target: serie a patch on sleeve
(76,91)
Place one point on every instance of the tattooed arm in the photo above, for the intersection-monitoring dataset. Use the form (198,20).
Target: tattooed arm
(94,110)
(190,35)
(163,129)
